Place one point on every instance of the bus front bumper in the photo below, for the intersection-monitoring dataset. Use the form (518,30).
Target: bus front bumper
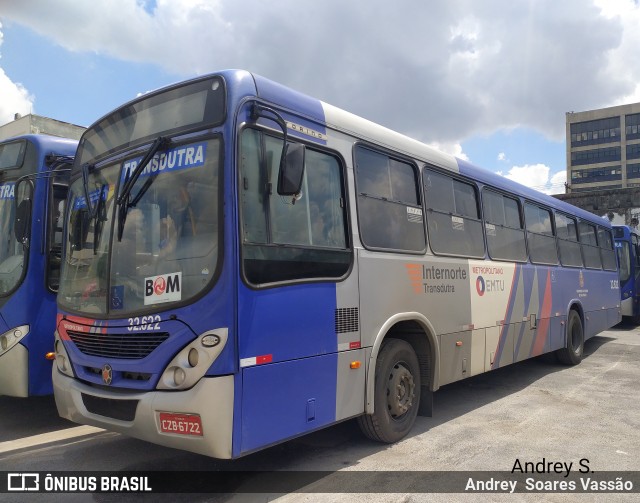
(14,372)
(211,399)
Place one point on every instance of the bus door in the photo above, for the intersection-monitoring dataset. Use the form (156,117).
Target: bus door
(298,324)
(635,276)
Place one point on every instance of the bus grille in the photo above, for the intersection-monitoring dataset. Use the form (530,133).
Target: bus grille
(127,345)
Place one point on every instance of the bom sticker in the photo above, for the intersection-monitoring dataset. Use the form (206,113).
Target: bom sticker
(163,288)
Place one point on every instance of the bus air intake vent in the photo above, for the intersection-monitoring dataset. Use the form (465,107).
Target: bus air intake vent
(347,320)
(124,410)
(127,345)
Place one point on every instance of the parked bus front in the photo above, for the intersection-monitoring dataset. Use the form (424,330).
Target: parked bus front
(33,190)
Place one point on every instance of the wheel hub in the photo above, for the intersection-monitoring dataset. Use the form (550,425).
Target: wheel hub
(400,391)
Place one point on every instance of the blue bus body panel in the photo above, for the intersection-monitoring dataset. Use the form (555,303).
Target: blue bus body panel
(287,399)
(299,340)
(33,303)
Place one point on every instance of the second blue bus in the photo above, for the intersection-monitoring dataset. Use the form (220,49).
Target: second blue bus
(627,242)
(34,173)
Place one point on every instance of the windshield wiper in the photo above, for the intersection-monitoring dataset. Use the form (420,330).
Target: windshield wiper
(124,200)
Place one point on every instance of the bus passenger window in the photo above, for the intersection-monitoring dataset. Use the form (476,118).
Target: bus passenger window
(607,252)
(503,226)
(589,242)
(453,219)
(542,243)
(389,209)
(568,244)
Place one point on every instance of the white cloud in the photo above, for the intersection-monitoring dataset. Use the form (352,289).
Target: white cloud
(14,97)
(537,176)
(533,175)
(454,149)
(502,157)
(440,71)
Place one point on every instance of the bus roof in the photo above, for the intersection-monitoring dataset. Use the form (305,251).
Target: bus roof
(246,84)
(44,141)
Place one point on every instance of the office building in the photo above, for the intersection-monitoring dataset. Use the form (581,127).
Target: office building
(603,148)
(36,124)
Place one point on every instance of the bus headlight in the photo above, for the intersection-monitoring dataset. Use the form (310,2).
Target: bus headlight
(62,358)
(191,363)
(11,337)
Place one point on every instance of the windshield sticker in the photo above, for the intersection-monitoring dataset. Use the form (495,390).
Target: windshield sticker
(107,193)
(174,159)
(163,288)
(7,191)
(117,297)
(414,215)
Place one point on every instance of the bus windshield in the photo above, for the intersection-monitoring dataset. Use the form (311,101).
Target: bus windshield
(168,250)
(624,259)
(11,252)
(157,242)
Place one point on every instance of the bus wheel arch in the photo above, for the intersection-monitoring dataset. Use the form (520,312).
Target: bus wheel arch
(405,346)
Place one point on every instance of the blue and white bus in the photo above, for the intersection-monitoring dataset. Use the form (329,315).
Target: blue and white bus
(627,241)
(34,174)
(246,264)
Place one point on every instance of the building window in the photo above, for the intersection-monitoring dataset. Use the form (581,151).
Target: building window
(597,175)
(633,151)
(632,129)
(595,132)
(596,156)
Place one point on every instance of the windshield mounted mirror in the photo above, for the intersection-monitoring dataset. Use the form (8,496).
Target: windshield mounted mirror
(291,169)
(23,221)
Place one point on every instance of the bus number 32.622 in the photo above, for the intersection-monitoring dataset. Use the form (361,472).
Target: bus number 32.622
(144,323)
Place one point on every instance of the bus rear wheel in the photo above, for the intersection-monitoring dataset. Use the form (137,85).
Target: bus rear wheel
(571,354)
(396,393)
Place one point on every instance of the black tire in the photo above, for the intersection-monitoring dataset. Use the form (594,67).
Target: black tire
(571,354)
(394,413)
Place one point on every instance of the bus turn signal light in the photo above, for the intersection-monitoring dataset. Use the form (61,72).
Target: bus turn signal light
(354,365)
(50,356)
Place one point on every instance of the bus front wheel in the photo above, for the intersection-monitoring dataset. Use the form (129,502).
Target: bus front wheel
(396,393)
(571,354)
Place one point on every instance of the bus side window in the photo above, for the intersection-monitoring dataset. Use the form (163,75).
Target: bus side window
(56,218)
(635,249)
(284,238)
(503,226)
(589,243)
(567,232)
(453,218)
(540,236)
(607,251)
(389,210)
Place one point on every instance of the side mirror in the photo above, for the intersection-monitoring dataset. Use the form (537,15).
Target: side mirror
(22,221)
(291,169)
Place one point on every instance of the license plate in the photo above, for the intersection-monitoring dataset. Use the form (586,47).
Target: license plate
(182,424)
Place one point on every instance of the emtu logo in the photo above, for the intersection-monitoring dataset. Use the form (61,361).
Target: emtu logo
(480,286)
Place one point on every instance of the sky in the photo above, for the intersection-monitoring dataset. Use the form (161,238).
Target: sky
(486,80)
